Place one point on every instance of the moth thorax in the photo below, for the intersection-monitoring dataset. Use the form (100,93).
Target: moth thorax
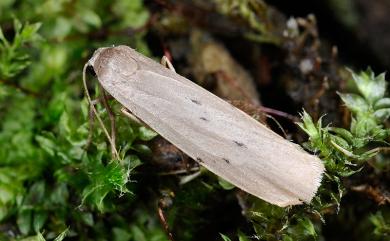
(112,61)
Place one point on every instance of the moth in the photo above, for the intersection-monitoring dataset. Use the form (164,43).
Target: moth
(220,137)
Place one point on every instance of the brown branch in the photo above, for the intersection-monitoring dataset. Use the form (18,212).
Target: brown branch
(163,221)
(268,110)
(19,88)
(104,32)
(280,113)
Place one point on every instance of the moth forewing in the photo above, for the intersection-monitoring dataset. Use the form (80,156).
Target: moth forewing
(219,136)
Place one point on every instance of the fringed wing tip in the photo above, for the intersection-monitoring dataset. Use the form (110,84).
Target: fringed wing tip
(316,178)
(318,169)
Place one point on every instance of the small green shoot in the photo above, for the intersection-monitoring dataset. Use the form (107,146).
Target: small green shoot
(13,54)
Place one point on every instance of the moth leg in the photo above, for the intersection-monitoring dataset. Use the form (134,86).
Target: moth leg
(111,116)
(95,112)
(181,171)
(165,61)
(188,178)
(91,123)
(132,117)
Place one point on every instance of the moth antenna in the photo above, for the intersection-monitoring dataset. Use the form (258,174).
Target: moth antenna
(167,63)
(92,106)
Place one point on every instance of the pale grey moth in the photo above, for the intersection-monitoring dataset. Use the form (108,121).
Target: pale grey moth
(219,136)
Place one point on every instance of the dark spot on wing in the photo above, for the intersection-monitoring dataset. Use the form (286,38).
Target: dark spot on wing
(226,160)
(196,101)
(240,144)
(198,159)
(204,118)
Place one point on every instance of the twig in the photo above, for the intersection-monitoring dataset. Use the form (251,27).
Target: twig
(279,113)
(163,221)
(246,96)
(20,88)
(103,32)
(235,85)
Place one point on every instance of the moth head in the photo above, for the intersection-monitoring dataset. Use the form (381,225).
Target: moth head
(112,61)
